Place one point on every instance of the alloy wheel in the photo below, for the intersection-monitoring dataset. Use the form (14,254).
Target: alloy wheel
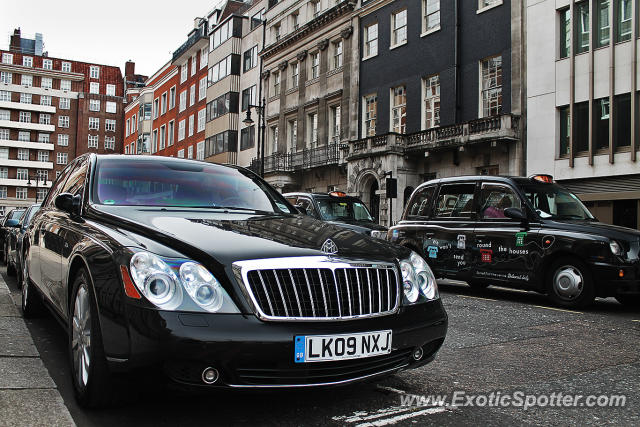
(81,338)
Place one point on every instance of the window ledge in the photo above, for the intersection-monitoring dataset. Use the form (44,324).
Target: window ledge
(312,81)
(491,6)
(335,71)
(291,90)
(431,31)
(273,98)
(397,45)
(364,58)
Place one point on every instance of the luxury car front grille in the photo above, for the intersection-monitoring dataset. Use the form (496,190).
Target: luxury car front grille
(343,291)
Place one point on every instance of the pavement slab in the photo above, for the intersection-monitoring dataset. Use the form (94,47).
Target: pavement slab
(33,407)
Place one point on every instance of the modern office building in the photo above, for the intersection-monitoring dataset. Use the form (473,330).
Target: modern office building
(51,111)
(582,102)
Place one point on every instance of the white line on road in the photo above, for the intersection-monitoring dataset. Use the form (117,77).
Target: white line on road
(394,390)
(635,320)
(482,298)
(402,417)
(558,309)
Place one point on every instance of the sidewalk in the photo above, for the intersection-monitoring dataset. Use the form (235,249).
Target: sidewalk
(28,395)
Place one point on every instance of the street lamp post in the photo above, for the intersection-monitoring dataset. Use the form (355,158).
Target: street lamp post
(261,128)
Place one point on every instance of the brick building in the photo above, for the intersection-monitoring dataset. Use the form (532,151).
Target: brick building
(51,111)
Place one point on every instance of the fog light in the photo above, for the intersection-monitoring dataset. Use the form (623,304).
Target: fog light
(418,353)
(210,375)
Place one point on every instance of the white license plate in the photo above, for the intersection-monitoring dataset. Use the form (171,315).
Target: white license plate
(322,348)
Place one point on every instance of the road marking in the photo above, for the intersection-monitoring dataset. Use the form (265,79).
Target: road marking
(635,320)
(402,417)
(558,309)
(469,296)
(394,390)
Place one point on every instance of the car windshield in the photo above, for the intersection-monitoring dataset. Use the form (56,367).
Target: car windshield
(171,183)
(27,219)
(551,201)
(343,210)
(16,214)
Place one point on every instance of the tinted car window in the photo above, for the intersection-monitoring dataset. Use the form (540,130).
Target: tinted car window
(188,184)
(341,210)
(420,204)
(555,202)
(495,198)
(455,201)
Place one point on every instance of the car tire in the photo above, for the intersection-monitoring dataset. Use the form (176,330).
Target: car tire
(90,375)
(4,253)
(632,301)
(570,283)
(11,269)
(31,304)
(478,284)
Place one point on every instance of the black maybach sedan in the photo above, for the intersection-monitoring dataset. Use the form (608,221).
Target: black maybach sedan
(207,273)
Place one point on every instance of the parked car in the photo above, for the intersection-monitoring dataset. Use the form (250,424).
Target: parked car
(11,219)
(339,209)
(14,239)
(527,233)
(207,274)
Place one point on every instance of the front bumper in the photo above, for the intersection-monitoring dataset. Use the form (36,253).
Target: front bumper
(250,353)
(609,282)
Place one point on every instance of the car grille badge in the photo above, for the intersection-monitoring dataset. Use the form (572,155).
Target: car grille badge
(329,247)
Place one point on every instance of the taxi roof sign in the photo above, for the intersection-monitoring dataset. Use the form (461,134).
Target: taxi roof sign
(338,194)
(548,179)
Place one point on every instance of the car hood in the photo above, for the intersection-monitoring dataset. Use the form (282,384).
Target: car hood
(597,228)
(235,236)
(359,226)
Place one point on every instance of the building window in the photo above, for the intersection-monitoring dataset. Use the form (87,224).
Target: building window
(370,115)
(4,173)
(44,119)
(276,83)
(430,15)
(192,95)
(191,124)
(24,136)
(94,123)
(27,80)
(275,32)
(221,34)
(603,23)
(109,125)
(156,108)
(295,74)
(316,8)
(194,65)
(295,20)
(46,82)
(491,96)
(7,58)
(247,138)
(183,101)
(315,65)
(65,103)
(431,101)
(221,70)
(111,90)
(44,138)
(94,72)
(3,194)
(399,109)
(94,87)
(5,115)
(27,61)
(582,24)
(92,141)
(154,141)
(337,54)
(65,67)
(184,72)
(624,20)
(25,98)
(170,134)
(202,89)
(293,134)
(66,85)
(371,40)
(5,95)
(200,150)
(622,120)
(204,57)
(181,130)
(163,137)
(62,158)
(6,77)
(181,154)
(23,154)
(250,58)
(94,105)
(127,127)
(4,134)
(398,28)
(41,193)
(63,140)
(312,123)
(248,97)
(43,174)
(163,103)
(47,64)
(45,100)
(22,174)
(25,117)
(4,153)
(190,152)
(274,139)
(21,193)
(334,125)
(202,119)
(172,97)
(111,107)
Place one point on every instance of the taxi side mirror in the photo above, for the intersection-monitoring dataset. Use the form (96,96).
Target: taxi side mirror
(515,213)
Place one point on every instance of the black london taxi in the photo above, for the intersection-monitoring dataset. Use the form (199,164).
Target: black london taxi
(206,274)
(527,233)
(339,209)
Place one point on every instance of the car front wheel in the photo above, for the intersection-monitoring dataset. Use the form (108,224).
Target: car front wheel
(31,301)
(569,283)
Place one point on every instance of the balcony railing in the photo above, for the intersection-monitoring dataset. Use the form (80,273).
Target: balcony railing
(300,160)
(201,32)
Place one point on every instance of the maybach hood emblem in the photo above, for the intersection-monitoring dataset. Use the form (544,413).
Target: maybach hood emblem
(329,247)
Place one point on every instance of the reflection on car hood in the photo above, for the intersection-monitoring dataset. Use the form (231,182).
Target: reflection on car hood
(359,226)
(234,236)
(599,228)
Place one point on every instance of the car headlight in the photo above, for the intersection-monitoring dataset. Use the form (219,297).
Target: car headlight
(616,248)
(164,283)
(418,282)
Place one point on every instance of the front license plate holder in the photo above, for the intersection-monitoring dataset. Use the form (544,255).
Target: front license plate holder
(325,348)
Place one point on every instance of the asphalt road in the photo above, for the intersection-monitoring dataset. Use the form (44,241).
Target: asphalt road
(499,341)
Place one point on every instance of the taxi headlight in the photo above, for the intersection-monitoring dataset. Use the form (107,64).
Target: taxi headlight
(418,282)
(616,248)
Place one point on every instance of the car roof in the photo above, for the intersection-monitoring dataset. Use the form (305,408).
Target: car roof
(467,178)
(320,195)
(147,158)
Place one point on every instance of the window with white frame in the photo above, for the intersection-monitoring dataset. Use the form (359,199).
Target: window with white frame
(7,58)
(163,137)
(4,173)
(43,174)
(6,77)
(295,20)
(22,174)
(337,54)
(63,140)
(191,124)
(27,61)
(312,123)
(334,122)
(202,89)
(24,136)
(431,112)
(183,101)
(94,123)
(371,40)
(27,80)
(25,98)
(430,15)
(94,87)
(66,85)
(111,107)
(181,154)
(94,72)
(21,193)
(109,142)
(3,194)
(170,131)
(46,82)
(5,115)
(190,152)
(62,158)
(163,103)
(110,125)
(44,119)
(181,130)
(41,193)
(4,133)
(23,154)
(172,97)
(45,100)
(156,108)
(94,105)
(65,67)
(491,88)
(200,150)
(44,138)
(47,64)
(625,15)
(316,7)
(184,72)
(398,28)
(250,58)
(204,57)
(192,95)
(43,156)
(295,74)
(276,32)
(4,153)
(274,139)
(111,90)
(276,83)
(399,109)
(154,141)
(292,134)
(65,103)
(194,65)
(93,141)
(5,95)
(202,118)
(126,149)
(315,65)
(25,117)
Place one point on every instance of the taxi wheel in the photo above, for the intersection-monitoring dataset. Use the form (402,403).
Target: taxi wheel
(629,300)
(569,283)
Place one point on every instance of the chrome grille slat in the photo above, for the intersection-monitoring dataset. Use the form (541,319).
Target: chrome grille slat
(323,288)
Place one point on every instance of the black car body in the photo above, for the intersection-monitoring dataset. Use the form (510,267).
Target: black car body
(177,269)
(15,237)
(527,233)
(10,220)
(339,209)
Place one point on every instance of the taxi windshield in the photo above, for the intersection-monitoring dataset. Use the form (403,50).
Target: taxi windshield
(551,201)
(343,210)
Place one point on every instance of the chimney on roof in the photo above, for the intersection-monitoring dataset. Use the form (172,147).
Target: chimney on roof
(14,41)
(129,70)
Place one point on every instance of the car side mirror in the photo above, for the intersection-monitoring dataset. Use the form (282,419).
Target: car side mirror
(69,203)
(12,223)
(301,209)
(515,213)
